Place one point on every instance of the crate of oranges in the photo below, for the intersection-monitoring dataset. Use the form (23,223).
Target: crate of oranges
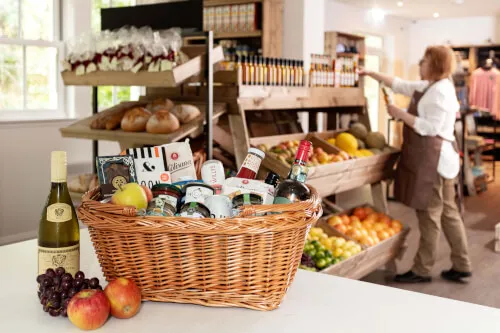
(381,236)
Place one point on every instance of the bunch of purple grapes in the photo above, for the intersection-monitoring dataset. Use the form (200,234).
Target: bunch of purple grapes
(56,287)
(307,260)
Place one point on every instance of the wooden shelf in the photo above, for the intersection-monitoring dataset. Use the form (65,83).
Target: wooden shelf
(351,36)
(210,3)
(279,98)
(170,78)
(348,54)
(82,130)
(229,35)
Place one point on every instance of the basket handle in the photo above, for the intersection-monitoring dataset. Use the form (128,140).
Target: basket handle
(251,210)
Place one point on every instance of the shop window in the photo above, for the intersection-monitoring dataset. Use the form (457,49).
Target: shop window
(30,49)
(111,95)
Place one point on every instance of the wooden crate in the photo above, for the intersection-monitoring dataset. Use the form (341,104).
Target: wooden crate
(371,258)
(274,164)
(169,78)
(335,177)
(81,129)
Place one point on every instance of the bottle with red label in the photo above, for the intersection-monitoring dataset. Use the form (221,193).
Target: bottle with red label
(294,189)
(251,164)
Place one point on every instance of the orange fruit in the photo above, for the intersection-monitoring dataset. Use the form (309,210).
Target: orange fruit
(334,220)
(396,225)
(369,210)
(367,224)
(341,228)
(383,235)
(360,213)
(391,232)
(345,219)
(354,219)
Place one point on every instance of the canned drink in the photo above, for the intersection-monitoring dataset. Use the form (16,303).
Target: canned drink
(212,173)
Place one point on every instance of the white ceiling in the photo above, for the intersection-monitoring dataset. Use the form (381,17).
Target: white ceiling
(424,9)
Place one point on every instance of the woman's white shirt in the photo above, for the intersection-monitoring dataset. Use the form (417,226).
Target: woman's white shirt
(437,111)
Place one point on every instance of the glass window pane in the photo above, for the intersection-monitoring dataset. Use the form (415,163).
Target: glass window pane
(9,18)
(105,97)
(11,77)
(122,94)
(41,77)
(38,19)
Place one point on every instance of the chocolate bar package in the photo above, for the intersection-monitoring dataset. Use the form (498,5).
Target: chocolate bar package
(113,172)
(150,165)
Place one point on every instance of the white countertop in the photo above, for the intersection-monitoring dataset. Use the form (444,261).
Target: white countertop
(315,303)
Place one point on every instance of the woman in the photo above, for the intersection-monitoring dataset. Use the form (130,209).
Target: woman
(429,163)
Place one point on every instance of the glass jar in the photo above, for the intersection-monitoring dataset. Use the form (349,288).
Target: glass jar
(197,192)
(169,193)
(194,210)
(246,199)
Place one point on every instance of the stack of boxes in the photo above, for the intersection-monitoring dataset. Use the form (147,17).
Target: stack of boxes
(231,18)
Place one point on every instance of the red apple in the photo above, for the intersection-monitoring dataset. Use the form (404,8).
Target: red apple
(88,309)
(124,297)
(148,192)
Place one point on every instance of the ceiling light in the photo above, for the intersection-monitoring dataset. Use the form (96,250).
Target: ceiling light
(436,15)
(378,14)
(400,4)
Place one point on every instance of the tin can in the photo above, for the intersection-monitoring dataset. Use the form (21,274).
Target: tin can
(212,173)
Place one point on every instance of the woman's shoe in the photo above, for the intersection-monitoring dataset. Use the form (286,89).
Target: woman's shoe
(410,277)
(455,276)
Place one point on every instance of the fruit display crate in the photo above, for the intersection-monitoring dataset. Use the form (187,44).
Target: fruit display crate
(371,258)
(333,177)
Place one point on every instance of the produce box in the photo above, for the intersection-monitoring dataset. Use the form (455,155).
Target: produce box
(323,249)
(333,177)
(372,257)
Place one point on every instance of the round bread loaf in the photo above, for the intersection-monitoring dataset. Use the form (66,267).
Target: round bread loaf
(162,122)
(135,120)
(186,112)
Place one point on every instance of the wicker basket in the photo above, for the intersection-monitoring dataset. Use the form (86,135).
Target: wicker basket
(247,261)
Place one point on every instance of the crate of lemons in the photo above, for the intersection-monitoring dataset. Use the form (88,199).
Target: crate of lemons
(321,251)
(359,142)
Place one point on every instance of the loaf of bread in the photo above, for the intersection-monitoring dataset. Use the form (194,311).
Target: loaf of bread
(135,120)
(186,112)
(109,120)
(162,122)
(160,104)
(114,121)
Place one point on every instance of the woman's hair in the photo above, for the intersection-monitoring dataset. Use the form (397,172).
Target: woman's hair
(442,62)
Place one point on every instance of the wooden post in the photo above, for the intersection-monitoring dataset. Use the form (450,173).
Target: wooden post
(239,134)
(379,198)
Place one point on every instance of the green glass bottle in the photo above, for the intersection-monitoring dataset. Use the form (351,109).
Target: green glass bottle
(59,233)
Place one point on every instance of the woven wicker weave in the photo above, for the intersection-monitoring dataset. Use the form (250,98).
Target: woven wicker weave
(247,261)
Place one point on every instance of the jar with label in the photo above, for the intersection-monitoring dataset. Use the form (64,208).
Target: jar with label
(251,164)
(194,210)
(159,207)
(167,192)
(197,192)
(246,199)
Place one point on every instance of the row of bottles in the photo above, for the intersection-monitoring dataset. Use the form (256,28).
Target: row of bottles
(270,71)
(346,72)
(341,72)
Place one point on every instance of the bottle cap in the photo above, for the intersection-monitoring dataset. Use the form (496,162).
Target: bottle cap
(272,178)
(58,170)
(257,152)
(303,151)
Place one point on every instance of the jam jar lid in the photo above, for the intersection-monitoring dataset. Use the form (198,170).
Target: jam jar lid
(188,185)
(167,187)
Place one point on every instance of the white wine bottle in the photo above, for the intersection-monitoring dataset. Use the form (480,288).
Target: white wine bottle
(59,233)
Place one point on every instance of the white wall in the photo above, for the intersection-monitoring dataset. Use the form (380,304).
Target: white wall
(455,31)
(26,147)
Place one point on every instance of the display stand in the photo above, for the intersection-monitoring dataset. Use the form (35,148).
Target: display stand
(184,15)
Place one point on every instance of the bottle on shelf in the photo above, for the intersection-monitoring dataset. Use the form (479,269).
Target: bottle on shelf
(58,232)
(279,73)
(300,76)
(293,189)
(251,164)
(270,71)
(265,71)
(312,71)
(251,80)
(244,70)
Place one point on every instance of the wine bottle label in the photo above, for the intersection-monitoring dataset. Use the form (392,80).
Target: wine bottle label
(59,212)
(252,162)
(53,257)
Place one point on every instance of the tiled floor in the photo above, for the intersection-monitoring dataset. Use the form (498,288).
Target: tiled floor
(482,214)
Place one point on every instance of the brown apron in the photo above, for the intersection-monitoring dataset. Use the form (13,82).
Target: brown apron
(417,172)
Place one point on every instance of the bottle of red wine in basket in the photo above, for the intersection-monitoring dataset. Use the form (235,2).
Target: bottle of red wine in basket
(293,188)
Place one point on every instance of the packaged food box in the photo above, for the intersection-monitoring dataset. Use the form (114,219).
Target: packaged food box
(235,186)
